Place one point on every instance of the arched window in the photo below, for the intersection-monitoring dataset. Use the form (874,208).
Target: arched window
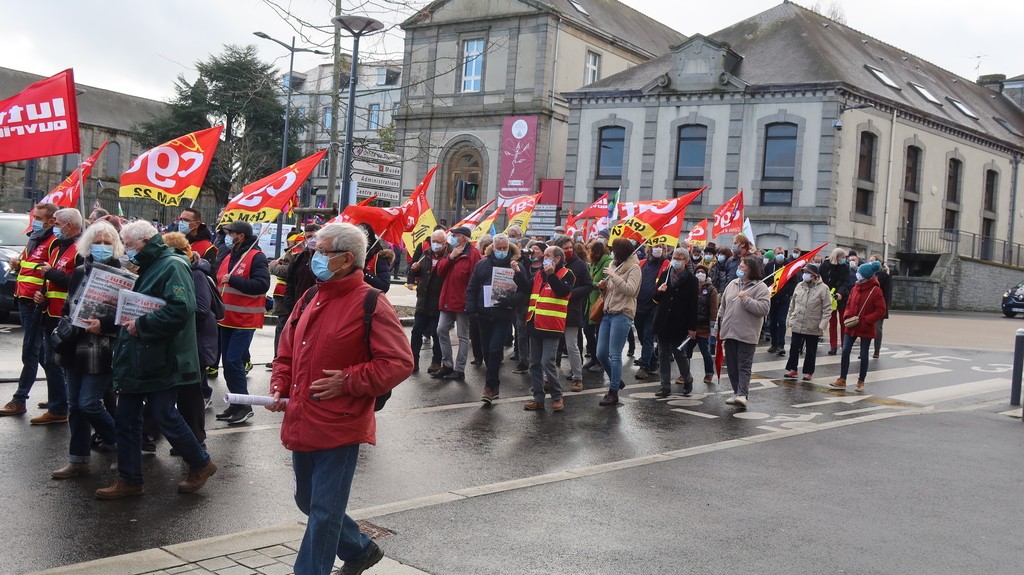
(466,164)
(112,163)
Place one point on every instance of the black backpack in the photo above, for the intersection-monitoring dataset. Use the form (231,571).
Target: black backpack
(369,306)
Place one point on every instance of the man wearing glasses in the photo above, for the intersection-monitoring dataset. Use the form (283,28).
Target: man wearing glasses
(67,228)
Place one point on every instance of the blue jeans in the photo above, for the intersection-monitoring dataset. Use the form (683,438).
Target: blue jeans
(323,481)
(56,384)
(234,347)
(492,337)
(645,331)
(30,315)
(611,338)
(129,432)
(85,400)
(844,362)
(704,344)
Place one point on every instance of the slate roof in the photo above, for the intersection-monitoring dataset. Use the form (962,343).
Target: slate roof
(608,17)
(789,45)
(96,107)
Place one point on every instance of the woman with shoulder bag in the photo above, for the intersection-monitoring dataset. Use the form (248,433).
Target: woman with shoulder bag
(865,307)
(89,365)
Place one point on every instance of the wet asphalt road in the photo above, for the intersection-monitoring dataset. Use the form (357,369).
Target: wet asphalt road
(823,500)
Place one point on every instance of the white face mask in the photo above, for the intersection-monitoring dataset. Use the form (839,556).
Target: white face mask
(656,252)
(701,276)
(807,277)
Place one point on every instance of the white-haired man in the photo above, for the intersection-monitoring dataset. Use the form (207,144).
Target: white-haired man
(156,353)
(328,365)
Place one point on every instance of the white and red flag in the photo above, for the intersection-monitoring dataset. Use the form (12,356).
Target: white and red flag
(41,120)
(729,217)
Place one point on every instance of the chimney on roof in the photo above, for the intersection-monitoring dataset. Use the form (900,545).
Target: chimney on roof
(993,82)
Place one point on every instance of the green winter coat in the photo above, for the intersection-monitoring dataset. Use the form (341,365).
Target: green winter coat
(165,354)
(596,275)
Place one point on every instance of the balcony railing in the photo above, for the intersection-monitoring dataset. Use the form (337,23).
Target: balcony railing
(966,244)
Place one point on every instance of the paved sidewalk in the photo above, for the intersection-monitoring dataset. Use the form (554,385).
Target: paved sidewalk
(268,551)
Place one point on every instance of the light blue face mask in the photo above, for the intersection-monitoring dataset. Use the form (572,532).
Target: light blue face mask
(676,264)
(548,262)
(131,255)
(436,246)
(57,233)
(453,241)
(740,274)
(721,258)
(101,252)
(500,255)
(319,267)
(229,240)
(183,227)
(36,226)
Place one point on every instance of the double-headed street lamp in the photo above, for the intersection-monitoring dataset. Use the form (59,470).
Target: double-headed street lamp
(287,116)
(357,26)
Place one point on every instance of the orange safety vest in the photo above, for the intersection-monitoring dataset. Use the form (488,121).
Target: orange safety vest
(241,310)
(201,247)
(64,262)
(30,277)
(547,310)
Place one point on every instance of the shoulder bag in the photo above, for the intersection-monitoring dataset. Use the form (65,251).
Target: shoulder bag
(852,321)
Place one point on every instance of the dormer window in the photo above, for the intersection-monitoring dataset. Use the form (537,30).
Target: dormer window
(579,7)
(882,77)
(962,107)
(925,93)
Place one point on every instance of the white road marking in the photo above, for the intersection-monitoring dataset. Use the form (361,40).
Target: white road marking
(864,410)
(838,399)
(951,392)
(760,367)
(697,413)
(900,373)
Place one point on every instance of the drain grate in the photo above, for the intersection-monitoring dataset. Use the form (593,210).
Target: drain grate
(373,531)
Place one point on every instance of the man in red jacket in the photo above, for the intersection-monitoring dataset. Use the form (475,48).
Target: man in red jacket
(455,271)
(331,373)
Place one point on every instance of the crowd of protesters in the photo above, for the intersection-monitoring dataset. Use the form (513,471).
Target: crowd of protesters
(118,385)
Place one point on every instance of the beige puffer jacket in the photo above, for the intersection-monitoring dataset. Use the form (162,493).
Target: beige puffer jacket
(809,308)
(622,287)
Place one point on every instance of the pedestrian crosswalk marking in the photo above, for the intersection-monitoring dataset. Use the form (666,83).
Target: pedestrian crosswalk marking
(903,372)
(930,396)
(864,410)
(697,413)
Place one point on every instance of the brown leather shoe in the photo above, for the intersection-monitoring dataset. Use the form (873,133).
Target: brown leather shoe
(71,470)
(558,404)
(13,408)
(533,406)
(48,418)
(839,384)
(119,490)
(196,478)
(641,374)
(860,386)
(577,385)
(434,368)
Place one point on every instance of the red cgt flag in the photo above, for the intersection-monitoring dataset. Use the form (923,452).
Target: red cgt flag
(387,223)
(698,236)
(66,194)
(172,171)
(41,120)
(782,276)
(729,217)
(598,209)
(661,223)
(263,200)
(419,217)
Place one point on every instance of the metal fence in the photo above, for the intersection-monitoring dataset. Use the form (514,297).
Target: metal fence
(966,244)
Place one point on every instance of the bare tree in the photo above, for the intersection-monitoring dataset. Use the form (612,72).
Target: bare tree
(834,11)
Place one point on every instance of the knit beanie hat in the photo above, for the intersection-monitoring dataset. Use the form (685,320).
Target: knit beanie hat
(867,270)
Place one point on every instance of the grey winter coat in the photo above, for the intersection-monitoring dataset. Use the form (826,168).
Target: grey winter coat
(809,308)
(741,319)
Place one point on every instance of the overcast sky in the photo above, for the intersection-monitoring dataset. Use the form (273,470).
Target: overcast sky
(140,46)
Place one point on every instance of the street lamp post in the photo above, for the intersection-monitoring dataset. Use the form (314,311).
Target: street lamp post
(287,118)
(357,26)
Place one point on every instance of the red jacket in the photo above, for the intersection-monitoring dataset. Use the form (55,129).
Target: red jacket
(329,335)
(874,309)
(455,276)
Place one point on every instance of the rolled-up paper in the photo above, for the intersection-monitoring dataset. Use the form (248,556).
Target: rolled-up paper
(243,399)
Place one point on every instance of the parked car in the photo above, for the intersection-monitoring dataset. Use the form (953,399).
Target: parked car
(12,242)
(1013,300)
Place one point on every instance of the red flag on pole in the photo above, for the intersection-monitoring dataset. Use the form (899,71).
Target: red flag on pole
(698,236)
(729,217)
(66,194)
(263,200)
(172,171)
(661,223)
(786,272)
(598,209)
(41,120)
(367,201)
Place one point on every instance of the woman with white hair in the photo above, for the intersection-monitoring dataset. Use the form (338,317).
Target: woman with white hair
(87,363)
